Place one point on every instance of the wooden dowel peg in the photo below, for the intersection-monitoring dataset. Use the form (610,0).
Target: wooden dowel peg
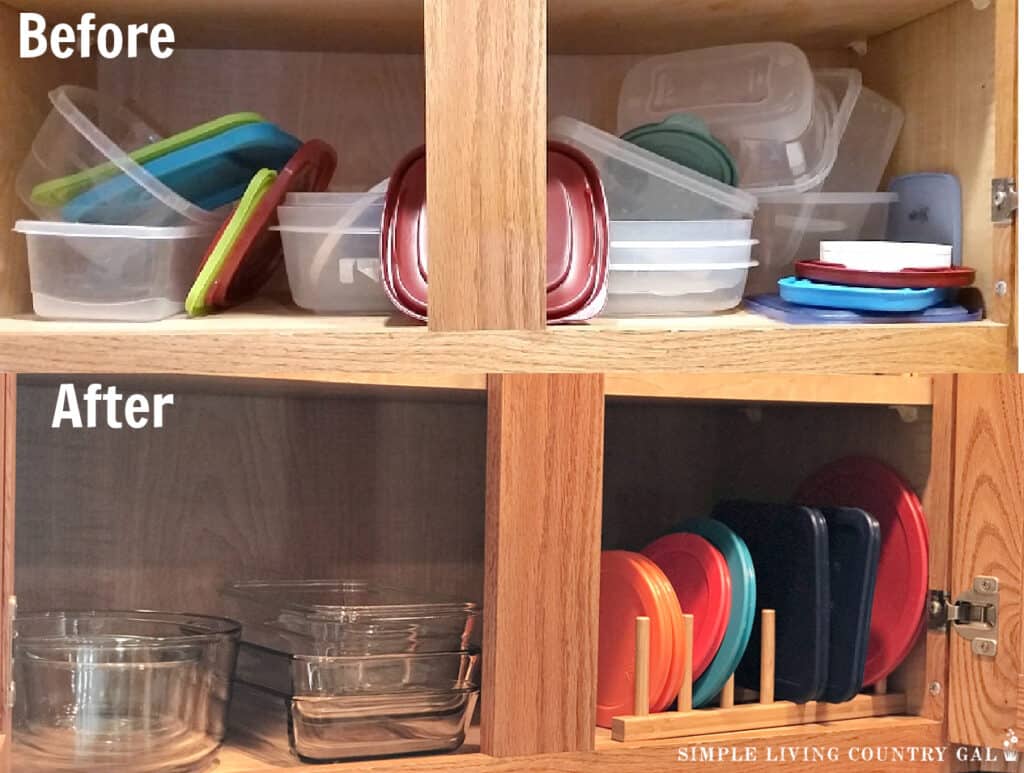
(767,656)
(686,690)
(728,697)
(882,686)
(642,668)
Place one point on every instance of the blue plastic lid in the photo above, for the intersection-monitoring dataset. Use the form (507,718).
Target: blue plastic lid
(773,307)
(929,211)
(804,292)
(744,601)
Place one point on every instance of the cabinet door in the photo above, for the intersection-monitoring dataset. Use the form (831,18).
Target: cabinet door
(7,383)
(986,707)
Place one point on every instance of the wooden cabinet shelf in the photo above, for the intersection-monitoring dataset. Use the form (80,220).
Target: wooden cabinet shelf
(277,342)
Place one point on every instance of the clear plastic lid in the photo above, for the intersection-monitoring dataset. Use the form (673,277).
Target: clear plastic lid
(92,137)
(640,185)
(802,164)
(758,90)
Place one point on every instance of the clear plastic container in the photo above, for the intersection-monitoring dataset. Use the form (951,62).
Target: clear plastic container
(110,272)
(360,215)
(757,90)
(86,130)
(867,145)
(803,163)
(120,691)
(667,242)
(674,290)
(640,185)
(335,271)
(328,729)
(791,228)
(350,617)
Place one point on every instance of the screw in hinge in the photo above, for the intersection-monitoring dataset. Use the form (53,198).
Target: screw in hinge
(936,607)
(985,647)
(981,5)
(986,584)
(1001,288)
(935,688)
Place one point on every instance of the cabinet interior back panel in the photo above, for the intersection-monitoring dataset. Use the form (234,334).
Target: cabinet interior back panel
(248,485)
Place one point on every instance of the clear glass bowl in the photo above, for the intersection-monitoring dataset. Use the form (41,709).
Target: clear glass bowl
(120,691)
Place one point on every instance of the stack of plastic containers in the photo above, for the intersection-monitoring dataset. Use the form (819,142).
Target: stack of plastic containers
(105,266)
(345,669)
(332,251)
(680,241)
(125,213)
(811,145)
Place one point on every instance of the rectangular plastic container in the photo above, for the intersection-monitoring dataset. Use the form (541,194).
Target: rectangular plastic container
(791,228)
(867,145)
(334,271)
(640,185)
(674,290)
(329,729)
(754,90)
(109,272)
(349,617)
(309,212)
(88,137)
(679,243)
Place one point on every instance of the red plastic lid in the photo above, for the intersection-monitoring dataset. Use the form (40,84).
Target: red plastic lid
(902,585)
(577,243)
(629,589)
(257,253)
(700,577)
(908,278)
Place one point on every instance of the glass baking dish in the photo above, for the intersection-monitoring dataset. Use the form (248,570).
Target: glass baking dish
(350,617)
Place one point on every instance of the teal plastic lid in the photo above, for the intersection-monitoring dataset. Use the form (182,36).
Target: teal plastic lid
(744,603)
(686,140)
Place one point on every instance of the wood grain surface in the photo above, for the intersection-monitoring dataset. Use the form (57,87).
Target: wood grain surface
(248,485)
(269,341)
(541,581)
(486,120)
(988,539)
(576,25)
(942,71)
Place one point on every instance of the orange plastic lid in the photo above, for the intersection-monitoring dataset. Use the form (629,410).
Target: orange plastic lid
(671,613)
(631,588)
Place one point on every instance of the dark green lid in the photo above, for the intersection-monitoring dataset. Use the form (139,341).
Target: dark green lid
(686,140)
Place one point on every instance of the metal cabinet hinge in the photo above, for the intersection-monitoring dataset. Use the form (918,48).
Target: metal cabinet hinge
(974,615)
(1004,200)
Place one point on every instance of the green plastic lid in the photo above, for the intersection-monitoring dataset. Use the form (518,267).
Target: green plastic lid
(686,140)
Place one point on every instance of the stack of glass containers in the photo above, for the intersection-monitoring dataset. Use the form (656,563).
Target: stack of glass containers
(347,669)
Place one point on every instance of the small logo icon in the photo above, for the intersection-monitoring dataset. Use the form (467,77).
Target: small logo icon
(1010,750)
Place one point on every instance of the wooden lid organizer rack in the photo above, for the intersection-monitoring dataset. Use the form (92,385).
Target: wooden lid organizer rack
(754,711)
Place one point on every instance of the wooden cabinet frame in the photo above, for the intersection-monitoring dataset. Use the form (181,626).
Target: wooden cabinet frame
(545,451)
(491,76)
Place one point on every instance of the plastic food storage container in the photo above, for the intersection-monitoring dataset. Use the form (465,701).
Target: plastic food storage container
(867,144)
(802,163)
(791,228)
(666,290)
(85,131)
(640,185)
(350,617)
(332,271)
(326,728)
(120,691)
(110,272)
(680,242)
(757,90)
(577,236)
